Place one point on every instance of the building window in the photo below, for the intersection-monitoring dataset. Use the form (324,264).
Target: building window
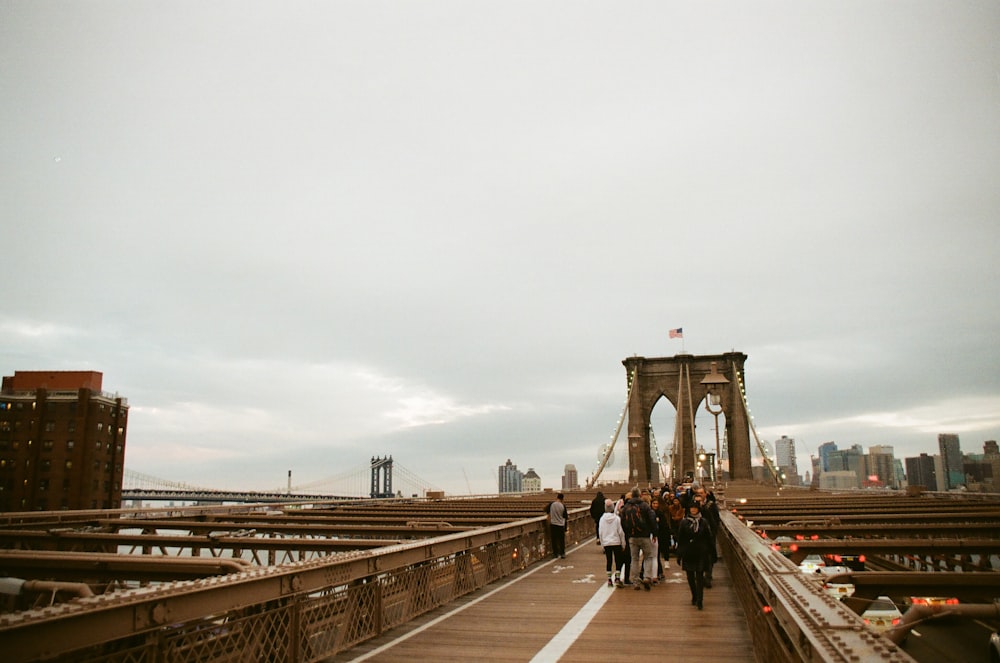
(47,445)
(97,445)
(69,465)
(100,426)
(46,465)
(50,426)
(43,484)
(72,426)
(69,444)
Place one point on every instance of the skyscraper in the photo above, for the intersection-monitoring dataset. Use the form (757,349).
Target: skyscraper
(570,480)
(62,442)
(882,464)
(920,472)
(784,452)
(825,450)
(510,478)
(951,461)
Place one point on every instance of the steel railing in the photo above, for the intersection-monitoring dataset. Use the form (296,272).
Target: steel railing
(303,611)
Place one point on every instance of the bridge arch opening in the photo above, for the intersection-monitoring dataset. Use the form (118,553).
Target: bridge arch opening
(679,380)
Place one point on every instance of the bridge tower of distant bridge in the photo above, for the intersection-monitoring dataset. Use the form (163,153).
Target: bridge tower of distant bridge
(382,477)
(679,380)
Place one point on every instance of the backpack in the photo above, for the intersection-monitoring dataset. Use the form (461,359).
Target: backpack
(632,520)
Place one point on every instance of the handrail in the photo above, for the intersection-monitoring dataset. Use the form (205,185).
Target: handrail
(300,611)
(790,619)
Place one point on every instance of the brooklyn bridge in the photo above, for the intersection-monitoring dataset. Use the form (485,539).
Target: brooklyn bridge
(401,571)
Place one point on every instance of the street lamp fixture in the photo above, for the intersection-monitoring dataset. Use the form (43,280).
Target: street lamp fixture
(715,383)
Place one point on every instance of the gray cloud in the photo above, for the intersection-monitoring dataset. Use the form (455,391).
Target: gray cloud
(301,236)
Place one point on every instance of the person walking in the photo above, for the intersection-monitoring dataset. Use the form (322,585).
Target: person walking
(612,537)
(557,524)
(710,511)
(694,550)
(639,523)
(597,512)
(662,535)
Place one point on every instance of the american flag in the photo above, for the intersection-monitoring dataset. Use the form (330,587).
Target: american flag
(677,333)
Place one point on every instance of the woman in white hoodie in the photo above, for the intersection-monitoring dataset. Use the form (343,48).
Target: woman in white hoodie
(613,539)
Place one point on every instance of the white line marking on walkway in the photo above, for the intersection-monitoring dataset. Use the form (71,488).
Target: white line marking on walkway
(565,638)
(441,618)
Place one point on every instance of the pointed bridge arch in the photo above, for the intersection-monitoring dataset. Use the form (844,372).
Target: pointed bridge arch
(678,379)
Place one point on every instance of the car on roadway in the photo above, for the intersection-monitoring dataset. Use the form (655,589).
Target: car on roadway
(811,564)
(882,615)
(837,587)
(855,562)
(995,647)
(933,600)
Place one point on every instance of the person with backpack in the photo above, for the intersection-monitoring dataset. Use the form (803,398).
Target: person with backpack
(639,523)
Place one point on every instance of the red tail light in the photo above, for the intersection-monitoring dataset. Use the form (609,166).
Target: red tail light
(861,558)
(775,546)
(799,537)
(951,602)
(766,609)
(793,547)
(838,559)
(895,621)
(814,537)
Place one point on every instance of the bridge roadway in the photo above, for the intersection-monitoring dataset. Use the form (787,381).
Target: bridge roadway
(341,581)
(562,609)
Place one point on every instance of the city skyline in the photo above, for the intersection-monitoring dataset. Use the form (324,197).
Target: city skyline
(297,236)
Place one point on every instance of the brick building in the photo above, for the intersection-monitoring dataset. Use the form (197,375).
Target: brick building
(62,442)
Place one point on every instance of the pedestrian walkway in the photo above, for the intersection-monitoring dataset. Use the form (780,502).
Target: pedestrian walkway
(562,609)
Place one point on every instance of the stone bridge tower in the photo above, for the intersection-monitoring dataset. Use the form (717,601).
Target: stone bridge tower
(679,380)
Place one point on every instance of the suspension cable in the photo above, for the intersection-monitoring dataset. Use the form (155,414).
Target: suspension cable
(618,430)
(768,463)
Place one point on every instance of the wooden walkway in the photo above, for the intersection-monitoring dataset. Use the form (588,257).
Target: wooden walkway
(562,610)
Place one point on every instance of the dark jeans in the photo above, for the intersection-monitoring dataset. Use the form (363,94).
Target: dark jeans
(615,557)
(558,540)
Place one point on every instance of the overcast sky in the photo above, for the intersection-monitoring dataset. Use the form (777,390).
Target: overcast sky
(299,234)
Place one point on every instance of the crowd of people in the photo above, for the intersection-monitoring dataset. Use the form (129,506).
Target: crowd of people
(642,529)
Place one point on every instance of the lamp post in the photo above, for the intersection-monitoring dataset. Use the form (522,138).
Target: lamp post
(714,383)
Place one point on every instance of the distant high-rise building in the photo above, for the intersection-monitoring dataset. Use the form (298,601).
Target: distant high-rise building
(882,464)
(951,461)
(570,480)
(532,483)
(825,450)
(62,442)
(920,472)
(990,449)
(510,478)
(784,453)
(849,460)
